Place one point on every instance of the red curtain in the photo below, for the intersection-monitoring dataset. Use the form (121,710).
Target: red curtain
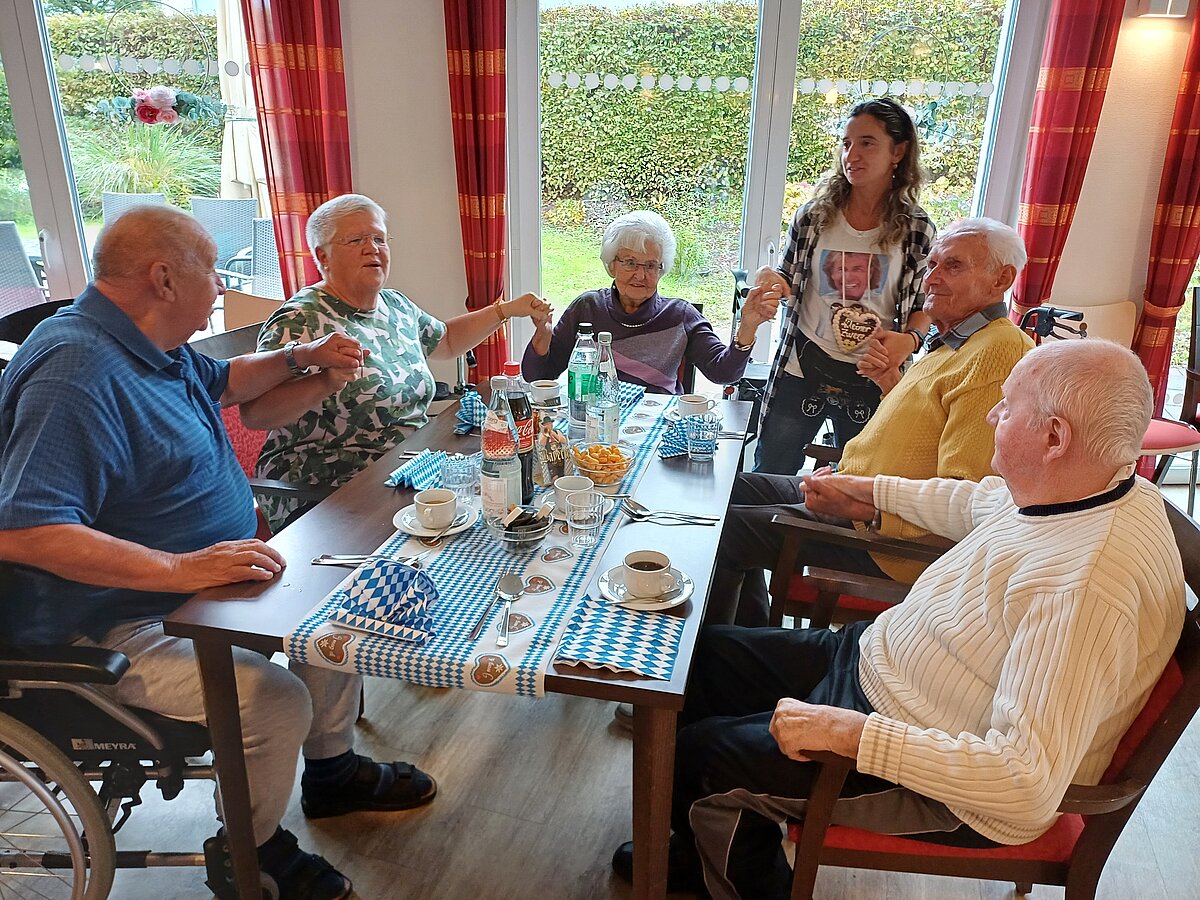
(1076,62)
(299,80)
(475,43)
(1175,241)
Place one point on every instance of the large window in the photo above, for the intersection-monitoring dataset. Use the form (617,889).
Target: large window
(723,114)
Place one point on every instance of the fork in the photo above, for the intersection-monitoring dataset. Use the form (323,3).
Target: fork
(639,509)
(659,518)
(354,560)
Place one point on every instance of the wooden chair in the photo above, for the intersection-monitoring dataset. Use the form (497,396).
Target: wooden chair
(1073,852)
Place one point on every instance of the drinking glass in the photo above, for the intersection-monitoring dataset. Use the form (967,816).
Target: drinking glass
(702,434)
(585,515)
(459,473)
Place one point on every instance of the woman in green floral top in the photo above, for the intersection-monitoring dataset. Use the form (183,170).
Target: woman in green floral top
(343,422)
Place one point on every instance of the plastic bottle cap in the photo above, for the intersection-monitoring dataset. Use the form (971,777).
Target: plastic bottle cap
(605,337)
(585,327)
(512,368)
(499,382)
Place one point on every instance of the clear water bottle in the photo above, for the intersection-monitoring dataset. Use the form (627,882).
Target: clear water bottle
(605,404)
(500,474)
(525,421)
(580,370)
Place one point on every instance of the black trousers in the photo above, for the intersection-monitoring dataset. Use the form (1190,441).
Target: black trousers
(750,543)
(724,748)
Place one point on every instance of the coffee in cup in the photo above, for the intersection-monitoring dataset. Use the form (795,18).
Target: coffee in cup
(695,405)
(436,507)
(648,574)
(567,485)
(545,391)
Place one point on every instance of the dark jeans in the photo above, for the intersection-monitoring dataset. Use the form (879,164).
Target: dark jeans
(830,389)
(724,744)
(750,543)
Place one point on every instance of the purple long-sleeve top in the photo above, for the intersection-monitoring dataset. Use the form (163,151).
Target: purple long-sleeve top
(649,345)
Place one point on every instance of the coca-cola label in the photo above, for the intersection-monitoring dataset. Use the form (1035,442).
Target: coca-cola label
(524,435)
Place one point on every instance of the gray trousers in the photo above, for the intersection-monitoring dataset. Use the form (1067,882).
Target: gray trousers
(282,711)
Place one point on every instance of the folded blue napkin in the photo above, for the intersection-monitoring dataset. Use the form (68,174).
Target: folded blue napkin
(631,394)
(391,600)
(421,472)
(673,441)
(471,410)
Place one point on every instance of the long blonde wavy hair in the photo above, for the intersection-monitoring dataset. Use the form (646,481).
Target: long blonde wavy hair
(833,190)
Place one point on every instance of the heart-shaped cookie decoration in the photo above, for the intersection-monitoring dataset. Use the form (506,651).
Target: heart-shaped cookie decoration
(333,646)
(538,584)
(489,669)
(518,622)
(852,325)
(554,554)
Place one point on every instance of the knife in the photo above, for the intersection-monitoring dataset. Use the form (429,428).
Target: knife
(487,611)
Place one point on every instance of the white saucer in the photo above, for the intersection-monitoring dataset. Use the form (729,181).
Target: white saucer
(560,515)
(612,587)
(406,520)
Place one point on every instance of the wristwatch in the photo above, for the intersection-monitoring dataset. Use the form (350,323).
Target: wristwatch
(289,355)
(744,348)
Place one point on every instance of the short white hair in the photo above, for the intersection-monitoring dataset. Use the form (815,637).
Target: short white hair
(633,231)
(1101,388)
(322,224)
(1005,247)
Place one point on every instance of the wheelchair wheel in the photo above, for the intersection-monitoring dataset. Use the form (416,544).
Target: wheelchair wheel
(46,817)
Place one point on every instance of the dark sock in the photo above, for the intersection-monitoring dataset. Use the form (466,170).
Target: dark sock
(333,771)
(279,852)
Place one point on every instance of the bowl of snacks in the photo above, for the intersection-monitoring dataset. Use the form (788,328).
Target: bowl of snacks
(605,464)
(522,529)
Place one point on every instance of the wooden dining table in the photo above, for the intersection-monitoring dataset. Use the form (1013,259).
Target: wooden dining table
(357,518)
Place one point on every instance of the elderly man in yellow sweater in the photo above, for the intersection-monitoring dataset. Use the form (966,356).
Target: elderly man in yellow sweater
(1012,669)
(932,422)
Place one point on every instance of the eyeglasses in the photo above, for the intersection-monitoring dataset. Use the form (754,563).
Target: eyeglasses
(650,268)
(359,241)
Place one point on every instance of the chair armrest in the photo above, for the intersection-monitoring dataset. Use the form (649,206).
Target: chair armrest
(882,589)
(867,540)
(818,812)
(823,453)
(94,665)
(306,493)
(1097,799)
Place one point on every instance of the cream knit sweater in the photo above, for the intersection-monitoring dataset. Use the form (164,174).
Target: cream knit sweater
(1021,656)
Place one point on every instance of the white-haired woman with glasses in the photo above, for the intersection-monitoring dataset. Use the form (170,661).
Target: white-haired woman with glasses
(341,427)
(652,334)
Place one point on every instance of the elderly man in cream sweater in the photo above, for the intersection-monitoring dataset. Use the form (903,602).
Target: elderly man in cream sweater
(1012,669)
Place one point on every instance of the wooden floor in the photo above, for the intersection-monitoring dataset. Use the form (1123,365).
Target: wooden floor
(534,797)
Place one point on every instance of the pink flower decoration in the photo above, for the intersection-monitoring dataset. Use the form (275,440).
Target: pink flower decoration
(161,97)
(140,95)
(168,116)
(147,113)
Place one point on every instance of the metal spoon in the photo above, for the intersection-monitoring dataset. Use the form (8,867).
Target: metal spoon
(436,540)
(511,588)
(640,509)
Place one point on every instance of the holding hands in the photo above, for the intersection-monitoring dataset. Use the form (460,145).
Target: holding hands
(846,496)
(337,355)
(762,303)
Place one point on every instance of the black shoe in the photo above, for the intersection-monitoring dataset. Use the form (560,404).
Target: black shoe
(382,787)
(683,866)
(287,871)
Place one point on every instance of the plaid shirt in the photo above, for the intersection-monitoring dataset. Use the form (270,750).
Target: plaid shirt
(797,269)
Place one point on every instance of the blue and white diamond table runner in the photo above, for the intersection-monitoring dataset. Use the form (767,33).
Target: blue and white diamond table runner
(602,635)
(465,570)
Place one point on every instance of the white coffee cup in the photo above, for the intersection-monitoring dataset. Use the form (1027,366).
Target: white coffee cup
(566,485)
(648,574)
(544,391)
(695,405)
(436,507)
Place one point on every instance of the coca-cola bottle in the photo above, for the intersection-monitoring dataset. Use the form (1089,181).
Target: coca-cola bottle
(522,413)
(500,474)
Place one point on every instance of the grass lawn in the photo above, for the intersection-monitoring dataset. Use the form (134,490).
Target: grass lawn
(571,265)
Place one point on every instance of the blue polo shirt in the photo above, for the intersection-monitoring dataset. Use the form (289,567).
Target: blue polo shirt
(99,427)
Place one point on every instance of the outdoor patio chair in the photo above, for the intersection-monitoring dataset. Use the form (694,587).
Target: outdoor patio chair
(19,284)
(229,221)
(266,279)
(113,204)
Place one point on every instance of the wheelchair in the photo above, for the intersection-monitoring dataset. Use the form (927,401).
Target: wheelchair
(60,735)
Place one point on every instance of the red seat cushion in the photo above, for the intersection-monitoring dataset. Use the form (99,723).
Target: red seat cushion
(801,591)
(1053,846)
(247,444)
(1166,435)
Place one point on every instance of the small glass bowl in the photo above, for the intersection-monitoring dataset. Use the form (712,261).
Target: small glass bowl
(522,539)
(604,474)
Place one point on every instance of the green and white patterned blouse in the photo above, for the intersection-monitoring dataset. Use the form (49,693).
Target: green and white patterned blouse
(368,416)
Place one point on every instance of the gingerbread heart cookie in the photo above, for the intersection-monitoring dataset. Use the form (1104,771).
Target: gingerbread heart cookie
(489,669)
(852,325)
(538,584)
(554,554)
(518,622)
(333,646)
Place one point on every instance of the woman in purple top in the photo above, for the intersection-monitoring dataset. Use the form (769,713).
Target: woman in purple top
(652,335)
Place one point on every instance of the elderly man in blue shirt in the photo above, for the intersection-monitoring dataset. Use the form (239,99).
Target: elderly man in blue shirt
(120,495)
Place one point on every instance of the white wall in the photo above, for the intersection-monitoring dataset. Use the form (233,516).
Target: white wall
(402,150)
(1106,254)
